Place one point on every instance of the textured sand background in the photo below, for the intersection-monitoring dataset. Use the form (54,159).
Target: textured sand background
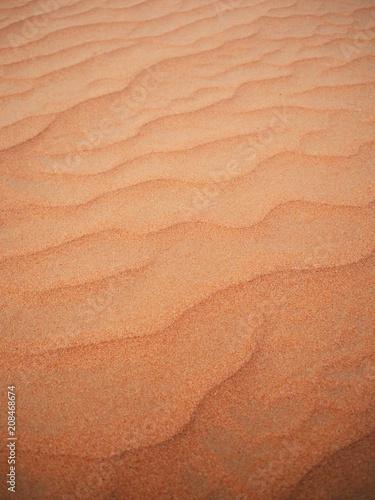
(187,273)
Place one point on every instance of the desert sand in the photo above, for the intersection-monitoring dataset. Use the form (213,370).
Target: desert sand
(187,266)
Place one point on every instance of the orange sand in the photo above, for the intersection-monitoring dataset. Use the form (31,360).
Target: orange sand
(187,267)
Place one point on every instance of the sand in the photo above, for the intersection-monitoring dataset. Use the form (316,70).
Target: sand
(187,267)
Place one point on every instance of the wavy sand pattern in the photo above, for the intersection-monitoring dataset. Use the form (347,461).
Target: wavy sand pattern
(187,266)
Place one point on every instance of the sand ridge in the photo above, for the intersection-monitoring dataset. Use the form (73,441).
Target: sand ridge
(187,247)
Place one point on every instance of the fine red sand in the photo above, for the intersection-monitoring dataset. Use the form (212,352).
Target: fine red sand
(187,266)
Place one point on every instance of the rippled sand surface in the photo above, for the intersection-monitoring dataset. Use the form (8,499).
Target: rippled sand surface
(187,267)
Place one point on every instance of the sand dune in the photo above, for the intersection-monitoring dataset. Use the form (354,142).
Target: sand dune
(187,267)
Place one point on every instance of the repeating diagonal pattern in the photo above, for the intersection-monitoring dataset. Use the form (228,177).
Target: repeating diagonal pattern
(187,268)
